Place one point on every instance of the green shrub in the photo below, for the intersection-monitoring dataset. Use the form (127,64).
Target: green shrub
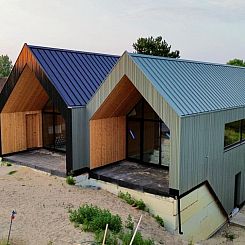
(159,220)
(138,239)
(140,204)
(129,223)
(131,201)
(111,239)
(126,197)
(95,219)
(8,164)
(70,180)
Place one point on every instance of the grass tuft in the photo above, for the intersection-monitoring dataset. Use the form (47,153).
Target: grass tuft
(159,220)
(229,236)
(70,180)
(132,201)
(93,218)
(12,172)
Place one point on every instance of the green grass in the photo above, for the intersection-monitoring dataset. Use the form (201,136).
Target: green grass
(8,164)
(4,242)
(129,224)
(132,201)
(229,236)
(94,219)
(159,220)
(140,205)
(138,240)
(70,180)
(12,172)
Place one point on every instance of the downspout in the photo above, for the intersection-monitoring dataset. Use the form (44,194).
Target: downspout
(179,216)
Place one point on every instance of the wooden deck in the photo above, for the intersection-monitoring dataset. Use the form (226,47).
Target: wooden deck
(45,160)
(147,178)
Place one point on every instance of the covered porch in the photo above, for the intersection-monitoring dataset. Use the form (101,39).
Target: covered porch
(143,177)
(129,143)
(41,159)
(30,123)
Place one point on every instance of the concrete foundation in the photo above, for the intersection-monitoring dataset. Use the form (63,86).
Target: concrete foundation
(200,213)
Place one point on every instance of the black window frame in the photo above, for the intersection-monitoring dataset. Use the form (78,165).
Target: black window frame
(241,139)
(142,121)
(54,114)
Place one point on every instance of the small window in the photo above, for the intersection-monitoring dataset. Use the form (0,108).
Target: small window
(232,133)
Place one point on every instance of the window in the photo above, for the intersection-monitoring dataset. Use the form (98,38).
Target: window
(243,129)
(54,128)
(234,133)
(148,138)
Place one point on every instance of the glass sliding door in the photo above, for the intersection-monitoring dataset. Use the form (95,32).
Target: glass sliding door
(48,130)
(134,139)
(148,138)
(60,133)
(54,128)
(151,148)
(165,145)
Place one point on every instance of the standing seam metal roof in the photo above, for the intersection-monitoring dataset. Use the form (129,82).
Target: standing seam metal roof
(75,74)
(192,87)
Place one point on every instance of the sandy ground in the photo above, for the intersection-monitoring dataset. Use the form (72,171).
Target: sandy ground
(42,202)
(220,236)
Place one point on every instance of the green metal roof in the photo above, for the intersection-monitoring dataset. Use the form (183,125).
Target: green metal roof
(192,87)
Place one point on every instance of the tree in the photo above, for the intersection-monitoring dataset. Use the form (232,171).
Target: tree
(5,65)
(155,46)
(236,62)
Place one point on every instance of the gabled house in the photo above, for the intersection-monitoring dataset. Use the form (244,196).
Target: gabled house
(186,116)
(168,131)
(43,101)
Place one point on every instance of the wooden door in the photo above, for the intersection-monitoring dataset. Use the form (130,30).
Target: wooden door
(32,130)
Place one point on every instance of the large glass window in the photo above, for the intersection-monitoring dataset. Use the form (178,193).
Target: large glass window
(151,148)
(54,129)
(134,139)
(148,137)
(48,130)
(165,144)
(232,133)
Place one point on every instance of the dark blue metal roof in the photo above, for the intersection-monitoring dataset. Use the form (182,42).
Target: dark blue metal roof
(194,87)
(76,75)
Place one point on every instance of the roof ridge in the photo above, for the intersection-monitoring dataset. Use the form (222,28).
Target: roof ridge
(71,51)
(183,60)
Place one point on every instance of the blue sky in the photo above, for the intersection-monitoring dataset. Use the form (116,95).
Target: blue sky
(207,30)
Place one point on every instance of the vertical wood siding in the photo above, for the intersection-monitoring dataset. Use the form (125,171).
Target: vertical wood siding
(127,67)
(202,155)
(107,141)
(27,59)
(14,131)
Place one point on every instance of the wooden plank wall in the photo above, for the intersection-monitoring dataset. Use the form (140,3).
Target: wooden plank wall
(27,95)
(107,141)
(13,131)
